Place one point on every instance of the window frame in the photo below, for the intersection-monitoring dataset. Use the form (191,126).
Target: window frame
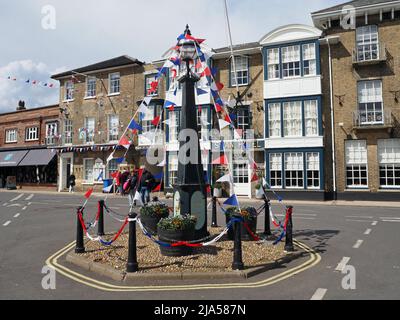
(110,136)
(309,61)
(288,117)
(111,84)
(244,72)
(68,124)
(69,90)
(364,106)
(291,64)
(51,139)
(147,84)
(366,42)
(85,160)
(32,134)
(89,139)
(7,135)
(91,87)
(356,166)
(390,164)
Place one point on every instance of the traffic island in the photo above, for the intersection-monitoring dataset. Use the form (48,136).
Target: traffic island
(205,263)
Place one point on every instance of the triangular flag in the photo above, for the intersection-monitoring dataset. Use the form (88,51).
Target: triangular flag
(147,101)
(223,124)
(88,193)
(168,103)
(143,108)
(156,121)
(222,146)
(120,160)
(220,86)
(133,125)
(228,119)
(124,142)
(253,165)
(232,116)
(226,178)
(232,201)
(254,178)
(222,160)
(206,72)
(218,108)
(236,135)
(110,157)
(100,177)
(162,164)
(158,188)
(108,189)
(201,91)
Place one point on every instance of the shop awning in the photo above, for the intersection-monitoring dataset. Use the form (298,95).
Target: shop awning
(38,158)
(11,158)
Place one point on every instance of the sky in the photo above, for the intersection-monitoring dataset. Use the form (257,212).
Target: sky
(89,31)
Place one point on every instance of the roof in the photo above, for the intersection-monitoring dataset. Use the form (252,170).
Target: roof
(290,33)
(244,46)
(30,109)
(355,3)
(111,63)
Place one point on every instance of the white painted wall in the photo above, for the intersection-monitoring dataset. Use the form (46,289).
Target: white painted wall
(294,87)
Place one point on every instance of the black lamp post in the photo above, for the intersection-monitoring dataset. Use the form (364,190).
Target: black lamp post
(190,195)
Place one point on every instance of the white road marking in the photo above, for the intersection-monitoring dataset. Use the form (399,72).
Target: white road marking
(5,204)
(24,208)
(17,215)
(391,220)
(342,264)
(374,223)
(358,244)
(319,294)
(29,203)
(368,231)
(14,205)
(360,217)
(29,197)
(6,224)
(350,220)
(17,197)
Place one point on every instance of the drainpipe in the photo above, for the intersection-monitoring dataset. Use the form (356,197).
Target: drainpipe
(332,122)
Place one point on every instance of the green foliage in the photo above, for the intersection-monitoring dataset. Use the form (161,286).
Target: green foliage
(248,213)
(155,210)
(258,186)
(178,223)
(217,185)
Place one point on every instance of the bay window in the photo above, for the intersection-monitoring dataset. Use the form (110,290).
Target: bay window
(292,119)
(311,117)
(291,61)
(294,175)
(273,64)
(309,59)
(274,120)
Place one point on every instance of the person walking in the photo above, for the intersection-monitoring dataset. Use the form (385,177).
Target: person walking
(146,185)
(118,182)
(133,188)
(72,183)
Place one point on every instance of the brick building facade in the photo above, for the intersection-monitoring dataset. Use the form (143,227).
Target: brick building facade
(365,94)
(26,139)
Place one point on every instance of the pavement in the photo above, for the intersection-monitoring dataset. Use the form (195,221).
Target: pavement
(358,240)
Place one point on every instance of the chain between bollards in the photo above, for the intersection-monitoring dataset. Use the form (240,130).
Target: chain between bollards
(132,265)
(100,227)
(237,246)
(289,231)
(214,223)
(80,246)
(267,224)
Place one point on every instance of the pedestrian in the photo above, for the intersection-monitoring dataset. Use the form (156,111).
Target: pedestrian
(72,179)
(146,185)
(133,188)
(118,182)
(124,179)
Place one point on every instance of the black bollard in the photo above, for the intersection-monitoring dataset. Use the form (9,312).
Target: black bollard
(237,248)
(267,224)
(80,246)
(100,226)
(289,231)
(214,213)
(132,265)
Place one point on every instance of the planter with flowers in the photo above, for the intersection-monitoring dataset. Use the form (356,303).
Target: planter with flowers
(249,214)
(151,215)
(178,228)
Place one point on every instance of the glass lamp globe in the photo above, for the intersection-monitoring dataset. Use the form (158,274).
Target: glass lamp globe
(188,50)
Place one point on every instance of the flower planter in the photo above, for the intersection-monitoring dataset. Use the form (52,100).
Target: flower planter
(252,223)
(177,235)
(150,223)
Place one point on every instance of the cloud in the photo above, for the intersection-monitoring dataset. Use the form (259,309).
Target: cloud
(11,91)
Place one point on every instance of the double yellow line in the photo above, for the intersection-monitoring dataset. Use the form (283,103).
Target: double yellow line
(52,261)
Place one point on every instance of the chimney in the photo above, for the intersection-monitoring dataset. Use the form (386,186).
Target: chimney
(21,105)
